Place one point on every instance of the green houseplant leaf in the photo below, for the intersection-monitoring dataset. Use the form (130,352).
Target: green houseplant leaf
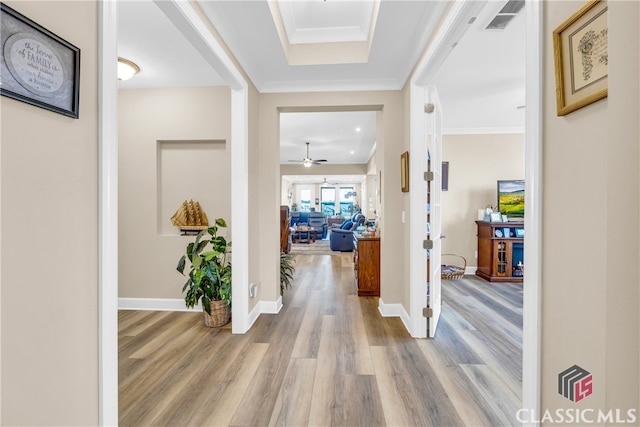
(209,271)
(286,271)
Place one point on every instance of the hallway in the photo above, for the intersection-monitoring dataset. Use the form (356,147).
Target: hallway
(328,358)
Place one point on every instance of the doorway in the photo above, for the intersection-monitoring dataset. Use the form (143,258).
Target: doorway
(108,221)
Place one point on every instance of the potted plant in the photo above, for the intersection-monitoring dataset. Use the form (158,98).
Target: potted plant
(209,279)
(286,271)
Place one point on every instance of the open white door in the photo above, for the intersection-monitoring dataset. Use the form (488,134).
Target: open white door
(433,178)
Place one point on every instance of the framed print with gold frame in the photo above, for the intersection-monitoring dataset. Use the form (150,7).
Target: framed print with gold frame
(404,171)
(580,49)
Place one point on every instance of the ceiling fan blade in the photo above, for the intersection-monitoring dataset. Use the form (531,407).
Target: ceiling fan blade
(321,160)
(317,162)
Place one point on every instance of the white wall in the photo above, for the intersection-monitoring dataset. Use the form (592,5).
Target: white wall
(476,163)
(49,253)
(193,125)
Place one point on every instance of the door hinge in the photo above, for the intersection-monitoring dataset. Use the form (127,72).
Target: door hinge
(427,312)
(428,176)
(429,108)
(427,244)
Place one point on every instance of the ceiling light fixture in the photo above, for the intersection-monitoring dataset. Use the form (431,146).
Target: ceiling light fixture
(126,69)
(307,162)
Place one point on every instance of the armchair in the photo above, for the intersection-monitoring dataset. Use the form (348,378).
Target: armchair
(318,221)
(341,238)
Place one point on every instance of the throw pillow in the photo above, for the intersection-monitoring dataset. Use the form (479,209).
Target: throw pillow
(346,225)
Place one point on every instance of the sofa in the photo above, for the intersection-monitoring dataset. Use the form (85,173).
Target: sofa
(341,238)
(317,220)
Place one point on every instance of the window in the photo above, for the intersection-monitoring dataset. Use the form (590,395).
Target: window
(346,201)
(305,200)
(328,200)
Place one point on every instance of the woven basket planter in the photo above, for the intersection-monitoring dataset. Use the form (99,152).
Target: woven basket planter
(220,314)
(453,272)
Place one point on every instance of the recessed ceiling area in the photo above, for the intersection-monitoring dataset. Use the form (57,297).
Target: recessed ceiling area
(314,32)
(402,29)
(343,137)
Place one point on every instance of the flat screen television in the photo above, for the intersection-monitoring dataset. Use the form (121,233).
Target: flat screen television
(511,197)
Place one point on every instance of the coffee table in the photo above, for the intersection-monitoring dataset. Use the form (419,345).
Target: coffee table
(309,231)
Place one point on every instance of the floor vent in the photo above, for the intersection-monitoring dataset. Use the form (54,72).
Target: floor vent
(506,14)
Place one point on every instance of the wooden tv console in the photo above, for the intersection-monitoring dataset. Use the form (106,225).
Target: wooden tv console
(500,251)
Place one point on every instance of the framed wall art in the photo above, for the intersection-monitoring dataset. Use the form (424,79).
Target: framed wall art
(404,171)
(37,66)
(580,48)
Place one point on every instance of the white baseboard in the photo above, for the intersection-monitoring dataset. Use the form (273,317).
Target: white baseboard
(271,307)
(176,304)
(155,304)
(470,270)
(394,310)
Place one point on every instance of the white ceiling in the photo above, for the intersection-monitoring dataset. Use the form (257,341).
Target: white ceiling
(340,137)
(401,32)
(481,84)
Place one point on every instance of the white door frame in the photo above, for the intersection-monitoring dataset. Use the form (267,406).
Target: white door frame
(531,317)
(108,192)
(108,214)
(185,18)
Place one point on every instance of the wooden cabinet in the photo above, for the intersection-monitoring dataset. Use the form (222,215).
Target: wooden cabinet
(500,251)
(366,259)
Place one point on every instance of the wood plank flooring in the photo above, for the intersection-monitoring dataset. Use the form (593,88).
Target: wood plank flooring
(327,359)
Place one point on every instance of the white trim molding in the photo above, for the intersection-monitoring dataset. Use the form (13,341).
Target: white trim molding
(107,214)
(155,304)
(271,307)
(264,307)
(533,220)
(483,131)
(394,310)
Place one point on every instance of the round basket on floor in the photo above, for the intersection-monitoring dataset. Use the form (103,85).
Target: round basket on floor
(220,314)
(453,271)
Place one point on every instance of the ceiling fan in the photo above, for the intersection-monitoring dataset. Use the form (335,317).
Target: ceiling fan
(325,182)
(308,161)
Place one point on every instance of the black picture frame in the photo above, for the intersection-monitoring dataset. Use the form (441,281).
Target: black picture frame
(37,66)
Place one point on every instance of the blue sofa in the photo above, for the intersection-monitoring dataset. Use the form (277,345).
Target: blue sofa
(316,220)
(341,238)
